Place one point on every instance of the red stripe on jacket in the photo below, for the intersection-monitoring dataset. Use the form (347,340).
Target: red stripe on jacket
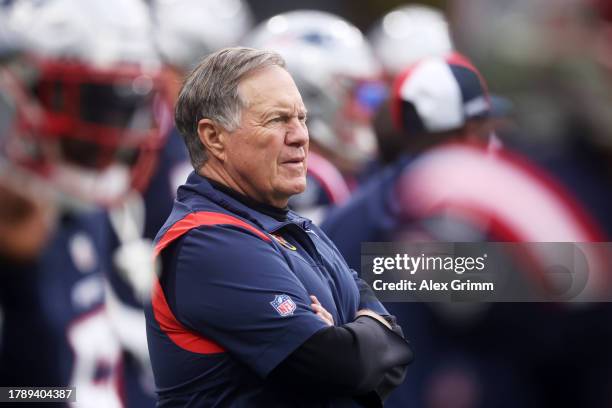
(169,324)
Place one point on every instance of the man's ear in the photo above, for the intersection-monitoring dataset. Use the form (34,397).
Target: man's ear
(213,138)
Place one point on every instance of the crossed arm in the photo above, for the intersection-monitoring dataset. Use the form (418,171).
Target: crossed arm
(366,358)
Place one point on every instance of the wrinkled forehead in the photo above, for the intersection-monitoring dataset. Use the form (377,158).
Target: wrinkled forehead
(270,88)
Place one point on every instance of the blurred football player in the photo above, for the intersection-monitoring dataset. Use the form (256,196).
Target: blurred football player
(88,117)
(450,188)
(555,64)
(399,39)
(437,100)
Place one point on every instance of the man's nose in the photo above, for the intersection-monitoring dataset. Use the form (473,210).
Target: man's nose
(297,133)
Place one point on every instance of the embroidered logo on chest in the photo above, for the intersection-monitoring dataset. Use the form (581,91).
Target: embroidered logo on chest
(284,242)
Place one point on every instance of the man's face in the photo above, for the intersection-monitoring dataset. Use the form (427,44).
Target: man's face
(266,155)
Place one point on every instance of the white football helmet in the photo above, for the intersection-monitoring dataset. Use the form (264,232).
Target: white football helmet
(407,34)
(337,75)
(188,30)
(93,89)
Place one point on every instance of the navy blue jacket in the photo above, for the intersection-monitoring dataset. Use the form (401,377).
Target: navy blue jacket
(232,301)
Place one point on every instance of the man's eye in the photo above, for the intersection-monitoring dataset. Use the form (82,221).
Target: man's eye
(287,119)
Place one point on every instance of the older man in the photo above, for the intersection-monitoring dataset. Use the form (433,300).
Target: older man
(254,305)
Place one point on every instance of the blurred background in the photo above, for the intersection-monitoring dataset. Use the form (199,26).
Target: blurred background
(457,120)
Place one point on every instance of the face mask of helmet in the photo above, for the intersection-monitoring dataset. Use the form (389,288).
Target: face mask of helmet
(97,118)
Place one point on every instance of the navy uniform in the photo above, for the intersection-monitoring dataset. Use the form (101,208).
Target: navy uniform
(56,331)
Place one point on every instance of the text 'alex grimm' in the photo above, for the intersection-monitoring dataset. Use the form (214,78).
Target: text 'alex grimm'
(431,286)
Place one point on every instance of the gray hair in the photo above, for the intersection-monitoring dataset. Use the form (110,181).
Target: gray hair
(211,91)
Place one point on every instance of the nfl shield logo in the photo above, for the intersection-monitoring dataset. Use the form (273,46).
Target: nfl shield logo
(283,304)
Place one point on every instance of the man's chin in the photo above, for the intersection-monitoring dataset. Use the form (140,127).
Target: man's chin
(295,188)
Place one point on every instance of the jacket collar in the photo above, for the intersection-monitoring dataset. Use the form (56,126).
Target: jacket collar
(197,187)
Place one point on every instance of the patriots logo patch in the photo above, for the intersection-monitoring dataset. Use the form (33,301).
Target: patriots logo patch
(284,305)
(284,242)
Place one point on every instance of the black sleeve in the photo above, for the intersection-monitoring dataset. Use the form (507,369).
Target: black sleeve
(396,375)
(354,359)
